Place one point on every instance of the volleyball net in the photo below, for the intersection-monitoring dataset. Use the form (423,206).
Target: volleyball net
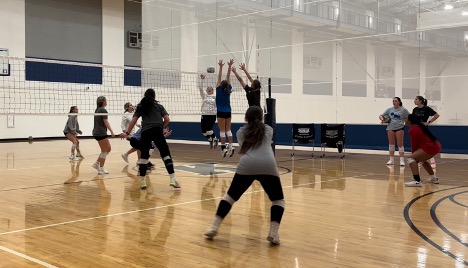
(50,87)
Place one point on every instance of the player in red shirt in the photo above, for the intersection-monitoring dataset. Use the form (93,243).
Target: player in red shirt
(424,145)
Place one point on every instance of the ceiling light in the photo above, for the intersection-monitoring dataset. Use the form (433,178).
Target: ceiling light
(448,6)
(464,13)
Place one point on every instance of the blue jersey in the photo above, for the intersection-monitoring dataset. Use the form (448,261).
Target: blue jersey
(223,99)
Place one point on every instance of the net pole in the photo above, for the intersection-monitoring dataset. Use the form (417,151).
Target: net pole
(270,117)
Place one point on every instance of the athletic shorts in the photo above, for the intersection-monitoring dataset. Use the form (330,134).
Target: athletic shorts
(225,115)
(100,138)
(432,150)
(396,130)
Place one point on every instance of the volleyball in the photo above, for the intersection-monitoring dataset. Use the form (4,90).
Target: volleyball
(386,118)
(210,70)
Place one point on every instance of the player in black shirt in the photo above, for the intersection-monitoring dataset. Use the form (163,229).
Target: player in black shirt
(425,112)
(252,92)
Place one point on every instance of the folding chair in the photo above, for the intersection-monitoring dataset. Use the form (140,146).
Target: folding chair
(332,136)
(303,134)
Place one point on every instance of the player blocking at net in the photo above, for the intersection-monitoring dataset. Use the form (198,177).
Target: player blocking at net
(251,92)
(208,112)
(224,111)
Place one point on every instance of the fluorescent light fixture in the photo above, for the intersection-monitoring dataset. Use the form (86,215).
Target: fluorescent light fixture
(448,6)
(464,13)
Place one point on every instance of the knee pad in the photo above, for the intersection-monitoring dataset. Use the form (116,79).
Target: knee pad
(228,199)
(410,160)
(103,155)
(167,160)
(229,133)
(142,161)
(391,148)
(401,149)
(151,151)
(209,133)
(280,203)
(222,134)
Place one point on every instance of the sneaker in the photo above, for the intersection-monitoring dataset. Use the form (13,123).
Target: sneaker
(224,152)
(96,166)
(274,239)
(231,150)
(103,171)
(125,157)
(80,156)
(73,158)
(211,143)
(402,162)
(215,143)
(142,183)
(390,162)
(413,183)
(210,233)
(174,183)
(433,180)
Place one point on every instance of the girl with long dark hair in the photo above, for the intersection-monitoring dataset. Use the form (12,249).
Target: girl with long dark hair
(424,145)
(256,163)
(155,119)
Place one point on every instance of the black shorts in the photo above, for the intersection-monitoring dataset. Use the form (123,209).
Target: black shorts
(135,143)
(100,138)
(225,115)
(396,130)
(207,122)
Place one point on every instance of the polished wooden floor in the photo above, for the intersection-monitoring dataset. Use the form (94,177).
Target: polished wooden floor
(352,212)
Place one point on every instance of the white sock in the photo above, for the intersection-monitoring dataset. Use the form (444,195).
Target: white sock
(172,176)
(217,221)
(274,227)
(392,158)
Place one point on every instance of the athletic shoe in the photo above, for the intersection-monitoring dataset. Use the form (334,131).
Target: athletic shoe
(390,162)
(413,183)
(210,233)
(274,239)
(433,180)
(231,150)
(174,183)
(80,156)
(96,166)
(125,157)
(211,143)
(224,152)
(402,162)
(142,183)
(150,166)
(103,171)
(73,158)
(215,143)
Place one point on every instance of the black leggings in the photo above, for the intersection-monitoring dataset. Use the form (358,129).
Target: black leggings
(271,185)
(155,135)
(240,184)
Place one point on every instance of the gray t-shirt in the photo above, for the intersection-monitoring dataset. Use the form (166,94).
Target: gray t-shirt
(72,124)
(153,117)
(258,161)
(100,128)
(397,117)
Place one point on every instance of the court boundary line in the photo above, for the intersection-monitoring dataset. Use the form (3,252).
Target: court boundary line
(29,258)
